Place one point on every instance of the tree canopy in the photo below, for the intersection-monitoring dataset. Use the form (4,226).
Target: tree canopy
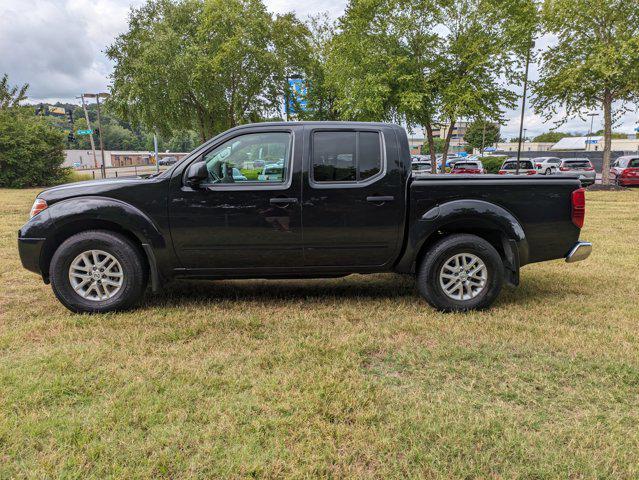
(11,96)
(206,65)
(593,65)
(426,62)
(482,133)
(31,149)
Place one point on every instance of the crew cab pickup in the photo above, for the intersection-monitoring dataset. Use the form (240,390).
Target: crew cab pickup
(337,198)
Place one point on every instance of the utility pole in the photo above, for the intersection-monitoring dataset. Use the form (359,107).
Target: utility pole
(157,158)
(483,137)
(592,120)
(86,116)
(97,99)
(523,104)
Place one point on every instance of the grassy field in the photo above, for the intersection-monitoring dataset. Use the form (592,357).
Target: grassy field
(354,377)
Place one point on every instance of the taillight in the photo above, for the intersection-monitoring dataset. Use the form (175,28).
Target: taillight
(37,207)
(578,207)
(564,169)
(502,172)
(590,168)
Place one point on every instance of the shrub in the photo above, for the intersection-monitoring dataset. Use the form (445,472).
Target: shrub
(31,150)
(492,164)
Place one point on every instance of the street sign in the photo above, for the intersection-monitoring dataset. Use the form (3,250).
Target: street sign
(84,132)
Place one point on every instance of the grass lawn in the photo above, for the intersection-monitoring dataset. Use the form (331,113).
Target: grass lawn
(353,377)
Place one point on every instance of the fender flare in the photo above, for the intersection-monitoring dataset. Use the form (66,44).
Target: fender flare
(466,215)
(69,214)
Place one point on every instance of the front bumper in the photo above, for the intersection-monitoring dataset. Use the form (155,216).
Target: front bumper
(30,250)
(580,251)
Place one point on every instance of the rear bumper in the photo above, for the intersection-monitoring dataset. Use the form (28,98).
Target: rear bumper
(580,251)
(30,250)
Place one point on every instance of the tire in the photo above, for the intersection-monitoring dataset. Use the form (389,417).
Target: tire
(476,294)
(126,270)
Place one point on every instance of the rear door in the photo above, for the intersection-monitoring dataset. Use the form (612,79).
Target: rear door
(353,197)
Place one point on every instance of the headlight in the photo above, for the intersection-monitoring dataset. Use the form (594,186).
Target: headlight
(38,206)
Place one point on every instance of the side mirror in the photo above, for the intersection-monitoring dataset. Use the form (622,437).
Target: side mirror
(197,173)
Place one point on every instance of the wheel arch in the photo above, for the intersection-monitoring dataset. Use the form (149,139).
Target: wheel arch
(70,217)
(475,217)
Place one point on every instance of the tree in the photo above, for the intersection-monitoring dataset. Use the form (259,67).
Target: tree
(482,133)
(206,65)
(428,64)
(11,96)
(595,63)
(31,150)
(551,137)
(321,96)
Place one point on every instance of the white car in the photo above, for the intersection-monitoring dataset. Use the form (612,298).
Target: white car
(547,165)
(272,172)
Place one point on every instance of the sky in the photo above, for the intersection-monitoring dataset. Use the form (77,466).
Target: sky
(57,46)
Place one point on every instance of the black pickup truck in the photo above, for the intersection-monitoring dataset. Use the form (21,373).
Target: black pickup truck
(293,200)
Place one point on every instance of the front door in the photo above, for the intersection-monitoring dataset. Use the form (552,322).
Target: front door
(247,215)
(354,204)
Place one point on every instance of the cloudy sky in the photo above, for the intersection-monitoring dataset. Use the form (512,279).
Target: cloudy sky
(57,46)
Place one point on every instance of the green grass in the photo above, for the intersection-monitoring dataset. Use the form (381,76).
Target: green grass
(353,377)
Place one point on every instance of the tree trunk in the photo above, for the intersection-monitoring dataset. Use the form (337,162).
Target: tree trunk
(449,135)
(607,108)
(431,147)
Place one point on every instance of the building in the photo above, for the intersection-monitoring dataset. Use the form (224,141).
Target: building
(585,144)
(457,136)
(83,159)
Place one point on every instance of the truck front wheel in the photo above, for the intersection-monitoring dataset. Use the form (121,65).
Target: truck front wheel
(461,272)
(97,271)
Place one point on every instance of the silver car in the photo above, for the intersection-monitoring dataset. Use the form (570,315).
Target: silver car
(580,167)
(547,165)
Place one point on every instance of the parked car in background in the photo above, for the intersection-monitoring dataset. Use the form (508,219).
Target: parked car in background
(509,167)
(165,161)
(271,172)
(421,165)
(624,171)
(473,167)
(547,165)
(580,167)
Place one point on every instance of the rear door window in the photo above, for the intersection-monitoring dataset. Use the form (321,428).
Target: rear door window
(345,156)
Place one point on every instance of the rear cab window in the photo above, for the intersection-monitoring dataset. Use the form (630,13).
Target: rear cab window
(346,156)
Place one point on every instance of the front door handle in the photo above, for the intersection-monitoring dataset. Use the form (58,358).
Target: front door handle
(282,201)
(380,198)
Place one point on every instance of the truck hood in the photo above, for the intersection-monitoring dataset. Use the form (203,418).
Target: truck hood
(107,187)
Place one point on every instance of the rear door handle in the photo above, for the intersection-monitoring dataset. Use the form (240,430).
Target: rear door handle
(380,198)
(282,200)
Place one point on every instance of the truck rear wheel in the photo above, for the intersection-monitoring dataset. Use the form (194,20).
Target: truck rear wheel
(97,271)
(461,272)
